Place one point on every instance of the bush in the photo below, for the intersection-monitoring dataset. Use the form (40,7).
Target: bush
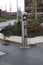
(12,30)
(33,29)
(2,19)
(8,31)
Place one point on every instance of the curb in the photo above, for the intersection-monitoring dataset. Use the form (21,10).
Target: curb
(11,41)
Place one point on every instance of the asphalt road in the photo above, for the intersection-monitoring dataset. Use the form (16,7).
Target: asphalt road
(17,56)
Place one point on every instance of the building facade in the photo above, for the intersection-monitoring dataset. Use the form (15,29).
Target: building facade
(32,6)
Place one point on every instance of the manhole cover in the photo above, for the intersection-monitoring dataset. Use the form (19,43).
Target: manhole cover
(4,63)
(2,53)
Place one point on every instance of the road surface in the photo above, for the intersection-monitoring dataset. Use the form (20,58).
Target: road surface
(17,56)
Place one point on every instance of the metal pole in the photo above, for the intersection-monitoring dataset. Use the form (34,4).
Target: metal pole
(10,12)
(17,10)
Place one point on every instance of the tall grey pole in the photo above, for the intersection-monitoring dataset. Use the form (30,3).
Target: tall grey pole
(10,11)
(17,10)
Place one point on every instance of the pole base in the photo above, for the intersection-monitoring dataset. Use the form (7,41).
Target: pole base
(24,47)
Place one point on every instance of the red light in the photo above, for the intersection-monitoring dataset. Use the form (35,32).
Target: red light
(25,23)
